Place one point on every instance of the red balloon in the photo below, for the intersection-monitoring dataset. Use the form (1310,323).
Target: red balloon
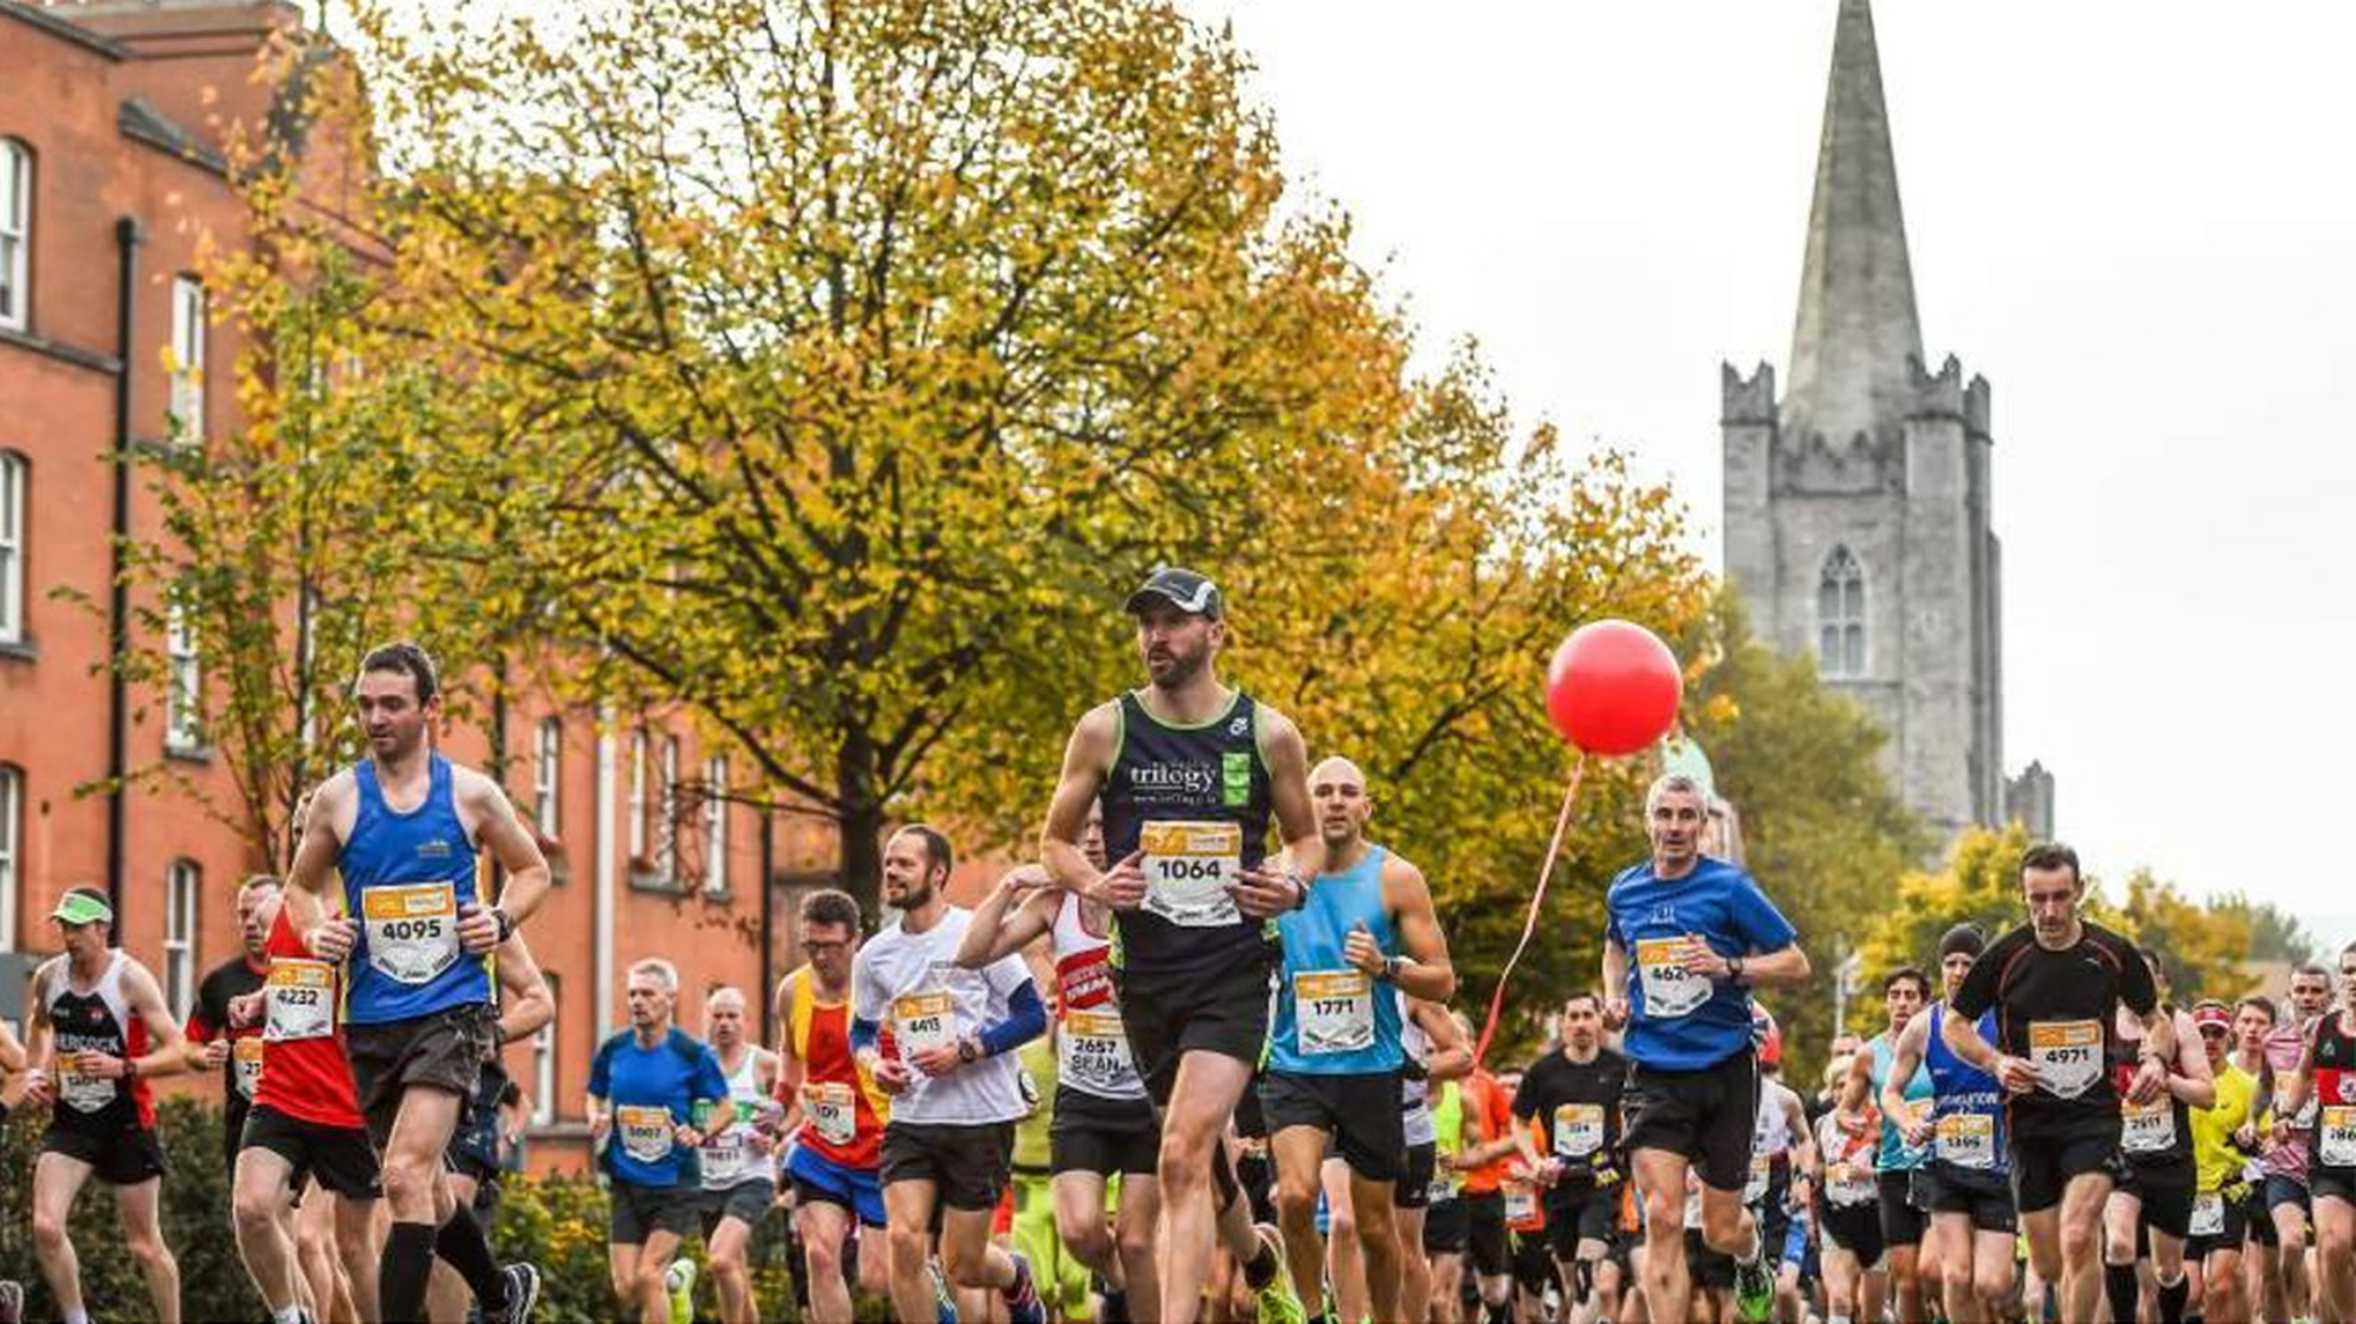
(1613,688)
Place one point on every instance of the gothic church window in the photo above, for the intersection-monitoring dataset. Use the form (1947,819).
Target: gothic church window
(1840,615)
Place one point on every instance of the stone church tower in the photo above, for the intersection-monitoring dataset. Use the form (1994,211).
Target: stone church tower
(1857,519)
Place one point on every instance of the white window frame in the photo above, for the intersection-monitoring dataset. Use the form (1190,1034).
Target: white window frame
(12,802)
(183,892)
(183,682)
(547,776)
(191,309)
(667,866)
(16,234)
(716,823)
(15,477)
(544,1056)
(637,809)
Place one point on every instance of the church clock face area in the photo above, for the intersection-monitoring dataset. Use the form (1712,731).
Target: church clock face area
(1858,515)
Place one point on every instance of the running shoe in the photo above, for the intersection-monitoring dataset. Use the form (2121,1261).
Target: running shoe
(523,1292)
(944,1305)
(1278,1302)
(680,1280)
(1754,1292)
(1022,1300)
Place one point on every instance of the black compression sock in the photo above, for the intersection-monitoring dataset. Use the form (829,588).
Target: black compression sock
(2172,1299)
(1262,1269)
(400,1281)
(2118,1283)
(461,1242)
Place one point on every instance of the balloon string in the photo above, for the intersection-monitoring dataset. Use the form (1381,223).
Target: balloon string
(1562,823)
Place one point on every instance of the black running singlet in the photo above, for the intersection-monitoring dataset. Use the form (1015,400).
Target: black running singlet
(1195,800)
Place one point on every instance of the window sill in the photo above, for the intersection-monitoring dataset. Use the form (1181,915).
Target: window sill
(644,881)
(21,650)
(558,1130)
(198,754)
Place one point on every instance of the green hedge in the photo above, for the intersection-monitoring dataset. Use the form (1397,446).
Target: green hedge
(558,1224)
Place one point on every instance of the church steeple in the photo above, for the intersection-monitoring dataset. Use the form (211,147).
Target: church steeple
(1857,325)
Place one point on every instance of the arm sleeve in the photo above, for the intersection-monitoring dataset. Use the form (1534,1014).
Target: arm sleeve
(1760,926)
(1979,987)
(1026,1019)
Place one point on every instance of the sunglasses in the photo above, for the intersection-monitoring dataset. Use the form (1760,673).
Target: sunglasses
(2214,1032)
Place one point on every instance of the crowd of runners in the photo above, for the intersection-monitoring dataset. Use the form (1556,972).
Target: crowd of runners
(1199,1062)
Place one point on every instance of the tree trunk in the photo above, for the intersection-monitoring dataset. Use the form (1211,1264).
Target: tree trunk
(860,822)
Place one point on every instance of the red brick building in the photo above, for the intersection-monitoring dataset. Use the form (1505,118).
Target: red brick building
(111,178)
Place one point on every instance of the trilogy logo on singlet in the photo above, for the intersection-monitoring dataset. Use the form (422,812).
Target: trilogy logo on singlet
(1174,781)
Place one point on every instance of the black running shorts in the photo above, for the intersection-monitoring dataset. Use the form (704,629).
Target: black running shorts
(1708,1115)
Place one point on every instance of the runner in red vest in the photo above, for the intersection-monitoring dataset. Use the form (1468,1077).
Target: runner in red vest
(837,1149)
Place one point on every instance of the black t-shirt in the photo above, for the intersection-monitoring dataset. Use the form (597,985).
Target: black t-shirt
(209,1020)
(1584,1098)
(2058,1009)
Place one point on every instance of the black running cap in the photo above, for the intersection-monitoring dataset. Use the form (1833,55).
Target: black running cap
(1962,938)
(1183,589)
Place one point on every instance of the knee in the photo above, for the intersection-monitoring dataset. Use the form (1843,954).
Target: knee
(966,1267)
(2334,1244)
(1722,1228)
(1136,1236)
(405,1181)
(2081,1242)
(48,1230)
(1993,1284)
(649,1281)
(1664,1214)
(1184,1163)
(1296,1199)
(253,1210)
(824,1258)
(908,1247)
(1084,1236)
(149,1249)
(1341,1227)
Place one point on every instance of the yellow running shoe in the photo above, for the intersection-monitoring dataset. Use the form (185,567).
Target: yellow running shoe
(1278,1303)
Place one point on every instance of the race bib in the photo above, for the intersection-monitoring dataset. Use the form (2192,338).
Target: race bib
(2067,1055)
(246,1055)
(300,1000)
(1670,990)
(1188,868)
(832,1109)
(1578,1129)
(86,1094)
(412,931)
(1333,1011)
(724,1159)
(1445,1184)
(2208,1215)
(1093,1052)
(1755,1190)
(646,1133)
(1967,1140)
(1846,1184)
(2148,1129)
(923,1020)
(2335,1136)
(1521,1202)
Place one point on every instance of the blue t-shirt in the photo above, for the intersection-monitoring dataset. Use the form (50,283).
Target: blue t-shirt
(1679,1021)
(651,1091)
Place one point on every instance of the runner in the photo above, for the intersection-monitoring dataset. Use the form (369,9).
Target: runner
(952,1079)
(1444,1224)
(2290,1146)
(2253,1021)
(305,1123)
(1334,1056)
(2150,1213)
(734,1162)
(1102,1121)
(1574,1095)
(97,1016)
(1028,1211)
(402,828)
(1435,1052)
(1525,1223)
(213,1043)
(645,1086)
(1848,1202)
(1967,1177)
(835,1113)
(1896,1161)
(1485,1161)
(12,1060)
(474,1158)
(2326,1075)
(1783,1150)
(2057,983)
(1686,939)
(2220,1207)
(1190,774)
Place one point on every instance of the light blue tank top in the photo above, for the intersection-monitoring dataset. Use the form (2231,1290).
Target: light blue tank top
(406,877)
(1894,1154)
(1332,1019)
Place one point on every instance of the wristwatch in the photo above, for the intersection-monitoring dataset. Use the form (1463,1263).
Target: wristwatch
(968,1050)
(506,922)
(1300,890)
(1391,965)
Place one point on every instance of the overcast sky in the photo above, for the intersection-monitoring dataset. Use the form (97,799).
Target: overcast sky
(2134,219)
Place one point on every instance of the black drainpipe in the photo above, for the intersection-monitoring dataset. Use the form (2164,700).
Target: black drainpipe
(768,926)
(118,617)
